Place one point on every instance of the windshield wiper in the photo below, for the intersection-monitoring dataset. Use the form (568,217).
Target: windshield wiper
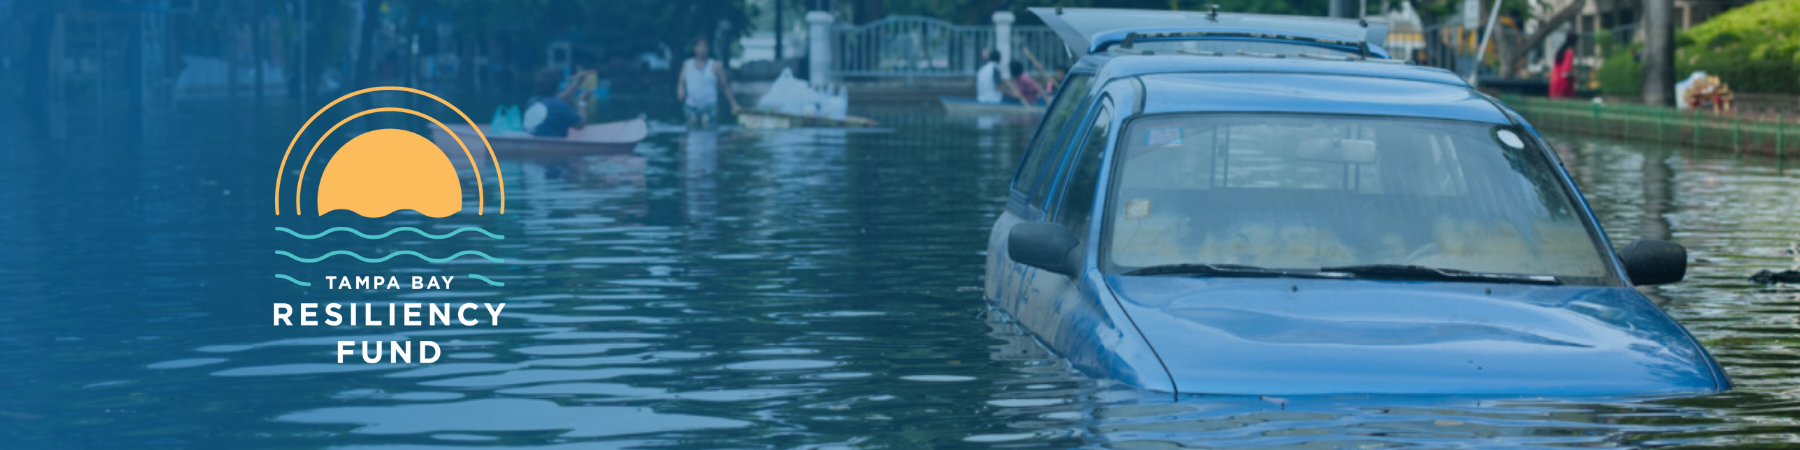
(1232,270)
(1423,273)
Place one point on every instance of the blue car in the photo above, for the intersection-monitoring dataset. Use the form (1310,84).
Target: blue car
(1307,218)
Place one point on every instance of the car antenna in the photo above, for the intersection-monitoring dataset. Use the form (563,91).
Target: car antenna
(1362,47)
(1212,11)
(1059,10)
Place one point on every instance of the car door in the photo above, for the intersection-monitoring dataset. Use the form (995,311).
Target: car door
(1030,186)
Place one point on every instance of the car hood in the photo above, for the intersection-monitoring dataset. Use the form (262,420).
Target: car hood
(1303,336)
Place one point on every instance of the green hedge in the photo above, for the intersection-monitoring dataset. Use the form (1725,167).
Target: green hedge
(1621,74)
(1753,48)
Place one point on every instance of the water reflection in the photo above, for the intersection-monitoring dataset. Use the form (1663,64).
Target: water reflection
(735,288)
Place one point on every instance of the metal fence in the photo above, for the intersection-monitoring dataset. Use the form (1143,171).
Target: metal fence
(913,46)
(1043,44)
(909,46)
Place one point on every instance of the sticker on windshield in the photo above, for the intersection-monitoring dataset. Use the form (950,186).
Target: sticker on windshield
(1162,136)
(1509,138)
(1137,209)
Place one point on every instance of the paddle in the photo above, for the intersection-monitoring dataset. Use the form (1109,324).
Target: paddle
(1038,65)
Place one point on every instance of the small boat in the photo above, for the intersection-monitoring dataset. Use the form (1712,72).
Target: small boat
(770,120)
(607,137)
(968,106)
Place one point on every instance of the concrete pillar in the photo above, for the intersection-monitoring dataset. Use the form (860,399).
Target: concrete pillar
(1003,43)
(1659,52)
(818,38)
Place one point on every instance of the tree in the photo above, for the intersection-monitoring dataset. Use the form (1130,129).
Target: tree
(602,26)
(1515,56)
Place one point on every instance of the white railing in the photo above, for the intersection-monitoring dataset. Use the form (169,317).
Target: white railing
(908,46)
(912,46)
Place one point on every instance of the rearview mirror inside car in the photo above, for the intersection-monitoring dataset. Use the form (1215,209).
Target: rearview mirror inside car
(1343,151)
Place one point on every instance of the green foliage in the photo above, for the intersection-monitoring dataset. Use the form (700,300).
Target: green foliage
(1622,74)
(1752,49)
(1433,11)
(601,26)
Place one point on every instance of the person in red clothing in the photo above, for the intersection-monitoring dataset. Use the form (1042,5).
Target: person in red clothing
(1562,73)
(1030,91)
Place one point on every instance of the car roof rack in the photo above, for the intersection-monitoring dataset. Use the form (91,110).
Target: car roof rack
(1362,47)
(1085,30)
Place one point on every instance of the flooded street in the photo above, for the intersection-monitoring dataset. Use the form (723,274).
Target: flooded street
(803,288)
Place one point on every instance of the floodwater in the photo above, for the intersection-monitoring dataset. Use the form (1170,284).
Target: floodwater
(731,288)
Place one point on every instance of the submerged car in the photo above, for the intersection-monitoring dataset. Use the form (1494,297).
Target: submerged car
(1220,222)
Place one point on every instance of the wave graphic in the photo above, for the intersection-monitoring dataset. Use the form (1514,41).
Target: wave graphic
(388,257)
(285,277)
(389,233)
(489,282)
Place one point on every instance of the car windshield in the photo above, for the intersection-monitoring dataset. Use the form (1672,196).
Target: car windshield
(1393,197)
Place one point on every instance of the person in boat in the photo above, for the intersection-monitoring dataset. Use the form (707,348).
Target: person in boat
(1054,84)
(550,114)
(1562,73)
(702,79)
(987,78)
(1030,92)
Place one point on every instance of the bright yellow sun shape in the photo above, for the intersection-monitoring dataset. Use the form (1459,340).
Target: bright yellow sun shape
(427,194)
(388,170)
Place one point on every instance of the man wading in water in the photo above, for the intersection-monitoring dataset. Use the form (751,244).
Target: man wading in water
(701,82)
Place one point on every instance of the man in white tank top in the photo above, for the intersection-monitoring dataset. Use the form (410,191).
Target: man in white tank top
(987,78)
(701,81)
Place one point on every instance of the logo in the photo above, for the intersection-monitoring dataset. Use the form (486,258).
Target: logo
(387,170)
(373,175)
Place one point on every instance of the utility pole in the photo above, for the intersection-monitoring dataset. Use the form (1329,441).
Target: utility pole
(778,26)
(1659,52)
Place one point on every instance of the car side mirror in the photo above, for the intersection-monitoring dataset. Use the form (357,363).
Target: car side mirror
(1043,245)
(1652,262)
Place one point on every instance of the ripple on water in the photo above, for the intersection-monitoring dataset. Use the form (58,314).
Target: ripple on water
(781,365)
(506,415)
(779,351)
(938,378)
(305,369)
(600,389)
(464,437)
(532,376)
(378,394)
(185,363)
(576,349)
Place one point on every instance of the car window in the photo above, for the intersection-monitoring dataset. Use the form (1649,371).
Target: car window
(1313,191)
(1049,134)
(1077,204)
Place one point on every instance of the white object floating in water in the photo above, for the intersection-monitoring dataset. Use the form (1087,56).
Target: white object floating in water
(791,95)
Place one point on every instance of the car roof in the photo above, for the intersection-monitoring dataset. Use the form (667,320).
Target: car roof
(1194,83)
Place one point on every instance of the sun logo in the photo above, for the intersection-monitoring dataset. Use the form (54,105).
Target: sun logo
(383,171)
(388,170)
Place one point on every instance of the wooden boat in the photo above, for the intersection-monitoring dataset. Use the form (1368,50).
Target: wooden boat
(771,120)
(968,106)
(607,137)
